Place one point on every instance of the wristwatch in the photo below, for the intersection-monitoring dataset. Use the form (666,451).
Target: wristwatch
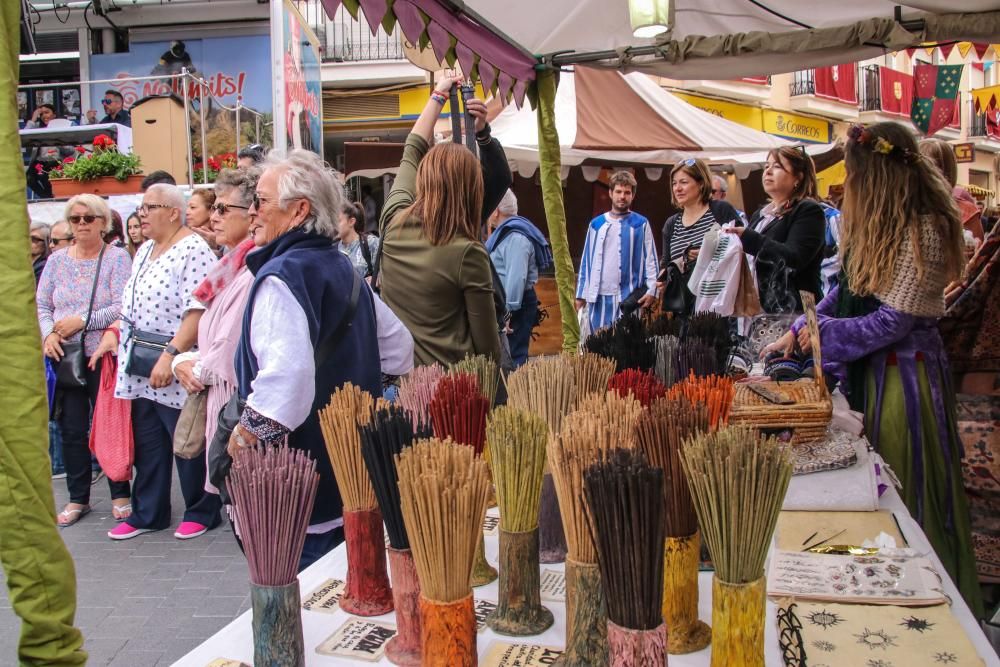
(171,350)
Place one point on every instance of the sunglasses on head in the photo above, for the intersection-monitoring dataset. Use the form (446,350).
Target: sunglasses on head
(77,219)
(690,162)
(223,209)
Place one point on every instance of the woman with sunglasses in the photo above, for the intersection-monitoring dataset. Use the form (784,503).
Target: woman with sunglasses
(785,238)
(683,233)
(224,294)
(65,313)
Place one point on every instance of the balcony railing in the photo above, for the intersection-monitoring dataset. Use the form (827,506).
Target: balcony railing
(869,88)
(343,39)
(803,83)
(977,121)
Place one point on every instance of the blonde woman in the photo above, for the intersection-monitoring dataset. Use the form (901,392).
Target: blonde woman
(901,243)
(66,313)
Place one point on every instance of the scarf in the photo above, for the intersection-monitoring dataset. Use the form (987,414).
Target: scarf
(223,273)
(543,252)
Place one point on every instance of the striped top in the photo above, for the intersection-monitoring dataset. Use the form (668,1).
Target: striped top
(685,237)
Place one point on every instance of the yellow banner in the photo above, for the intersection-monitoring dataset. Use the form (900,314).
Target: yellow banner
(964,48)
(986,97)
(738,113)
(796,127)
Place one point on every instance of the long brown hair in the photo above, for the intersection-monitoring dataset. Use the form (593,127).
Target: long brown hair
(449,196)
(890,187)
(802,168)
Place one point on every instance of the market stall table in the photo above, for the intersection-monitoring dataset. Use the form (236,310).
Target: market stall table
(74,135)
(235,641)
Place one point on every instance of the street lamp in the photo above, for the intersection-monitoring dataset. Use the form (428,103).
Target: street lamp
(649,18)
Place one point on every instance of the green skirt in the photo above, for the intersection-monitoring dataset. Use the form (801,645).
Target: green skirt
(952,542)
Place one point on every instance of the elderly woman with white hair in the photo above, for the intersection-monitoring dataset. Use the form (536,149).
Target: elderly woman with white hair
(311,325)
(79,295)
(159,320)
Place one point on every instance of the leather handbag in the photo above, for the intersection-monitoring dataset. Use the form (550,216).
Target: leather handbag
(676,296)
(71,373)
(189,435)
(144,347)
(630,304)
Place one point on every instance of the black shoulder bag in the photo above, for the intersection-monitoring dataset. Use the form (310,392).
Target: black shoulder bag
(219,461)
(144,347)
(71,373)
(366,253)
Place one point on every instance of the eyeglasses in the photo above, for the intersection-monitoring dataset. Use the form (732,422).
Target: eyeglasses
(36,239)
(222,209)
(56,240)
(257,200)
(144,209)
(77,219)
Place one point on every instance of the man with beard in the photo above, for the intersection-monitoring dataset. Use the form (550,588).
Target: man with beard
(619,258)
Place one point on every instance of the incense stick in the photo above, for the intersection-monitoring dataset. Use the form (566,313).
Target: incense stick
(349,408)
(591,372)
(458,410)
(666,359)
(273,491)
(644,387)
(738,482)
(485,370)
(626,342)
(544,386)
(417,389)
(443,488)
(714,391)
(618,413)
(390,431)
(660,434)
(624,498)
(516,441)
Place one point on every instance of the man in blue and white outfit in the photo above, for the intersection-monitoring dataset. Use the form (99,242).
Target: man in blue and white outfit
(519,251)
(618,257)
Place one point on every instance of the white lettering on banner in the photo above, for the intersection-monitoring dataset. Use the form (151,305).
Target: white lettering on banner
(219,85)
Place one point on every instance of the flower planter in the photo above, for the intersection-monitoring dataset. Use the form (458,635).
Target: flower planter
(105,185)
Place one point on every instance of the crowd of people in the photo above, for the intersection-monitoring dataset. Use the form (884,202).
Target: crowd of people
(265,294)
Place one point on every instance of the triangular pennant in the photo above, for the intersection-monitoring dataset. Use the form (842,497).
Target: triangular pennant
(466,58)
(519,89)
(964,48)
(981,49)
(996,50)
(440,40)
(946,49)
(910,53)
(930,50)
(504,84)
(374,11)
(487,74)
(410,20)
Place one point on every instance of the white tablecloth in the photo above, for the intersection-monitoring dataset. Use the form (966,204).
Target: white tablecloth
(77,134)
(235,641)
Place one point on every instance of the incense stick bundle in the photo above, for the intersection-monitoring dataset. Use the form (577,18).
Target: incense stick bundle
(388,434)
(591,372)
(484,369)
(666,359)
(458,411)
(666,325)
(738,482)
(545,386)
(516,441)
(367,591)
(714,391)
(618,413)
(644,387)
(695,357)
(443,488)
(714,331)
(624,500)
(417,389)
(660,434)
(273,491)
(626,342)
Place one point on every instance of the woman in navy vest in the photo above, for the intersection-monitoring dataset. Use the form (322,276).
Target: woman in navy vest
(301,292)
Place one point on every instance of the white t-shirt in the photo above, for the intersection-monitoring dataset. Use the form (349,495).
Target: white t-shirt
(611,271)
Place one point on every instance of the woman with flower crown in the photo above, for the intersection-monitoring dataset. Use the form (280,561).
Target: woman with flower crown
(902,244)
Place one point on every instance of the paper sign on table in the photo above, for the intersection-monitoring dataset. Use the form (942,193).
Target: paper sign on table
(490,525)
(553,586)
(797,530)
(326,597)
(505,654)
(225,662)
(482,609)
(358,640)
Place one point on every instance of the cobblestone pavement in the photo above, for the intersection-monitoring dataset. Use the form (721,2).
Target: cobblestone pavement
(145,601)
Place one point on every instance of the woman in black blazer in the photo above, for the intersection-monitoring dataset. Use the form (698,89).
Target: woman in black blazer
(785,238)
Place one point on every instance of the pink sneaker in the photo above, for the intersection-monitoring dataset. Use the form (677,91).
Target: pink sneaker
(123,531)
(189,529)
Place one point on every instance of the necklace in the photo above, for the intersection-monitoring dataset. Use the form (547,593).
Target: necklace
(159,250)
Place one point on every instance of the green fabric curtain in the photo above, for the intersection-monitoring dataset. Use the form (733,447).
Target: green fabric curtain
(555,213)
(41,578)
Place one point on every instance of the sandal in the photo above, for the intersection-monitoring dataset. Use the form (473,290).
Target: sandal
(121,512)
(68,517)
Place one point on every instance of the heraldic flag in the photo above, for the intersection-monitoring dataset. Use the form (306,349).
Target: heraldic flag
(935,92)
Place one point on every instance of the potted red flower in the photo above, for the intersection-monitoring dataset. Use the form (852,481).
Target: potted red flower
(105,170)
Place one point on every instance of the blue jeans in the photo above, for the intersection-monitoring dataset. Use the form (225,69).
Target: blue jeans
(318,545)
(521,321)
(55,448)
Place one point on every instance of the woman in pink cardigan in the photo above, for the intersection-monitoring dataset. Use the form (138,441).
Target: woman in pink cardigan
(224,293)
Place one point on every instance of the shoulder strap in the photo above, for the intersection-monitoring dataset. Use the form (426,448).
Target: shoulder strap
(325,349)
(93,291)
(366,252)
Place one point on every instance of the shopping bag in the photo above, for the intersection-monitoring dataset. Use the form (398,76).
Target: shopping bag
(583,319)
(111,429)
(747,302)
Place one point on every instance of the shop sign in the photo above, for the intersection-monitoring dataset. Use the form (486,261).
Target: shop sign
(965,152)
(796,127)
(738,113)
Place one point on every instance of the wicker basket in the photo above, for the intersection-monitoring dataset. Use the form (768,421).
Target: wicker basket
(809,417)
